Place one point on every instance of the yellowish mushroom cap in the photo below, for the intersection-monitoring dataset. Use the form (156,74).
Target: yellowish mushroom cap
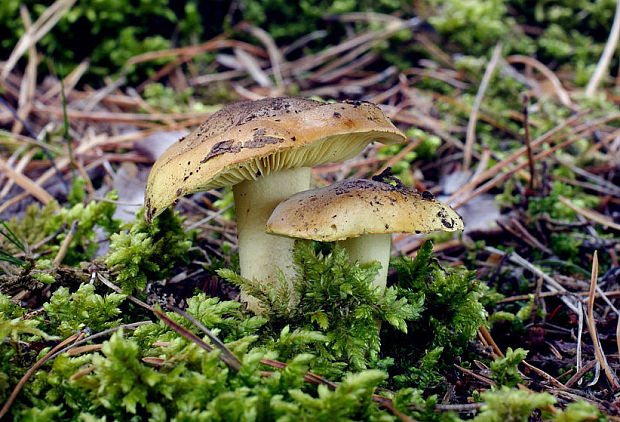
(245,140)
(354,207)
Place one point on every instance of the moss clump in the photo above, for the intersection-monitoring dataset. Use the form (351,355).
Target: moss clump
(452,301)
(111,31)
(142,252)
(70,312)
(48,226)
(333,296)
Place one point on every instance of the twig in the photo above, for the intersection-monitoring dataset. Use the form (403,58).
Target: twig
(477,376)
(608,52)
(555,81)
(530,154)
(591,214)
(64,247)
(551,283)
(401,154)
(544,375)
(502,165)
(473,117)
(27,184)
(487,336)
(502,178)
(100,334)
(231,359)
(42,26)
(580,373)
(600,356)
(275,56)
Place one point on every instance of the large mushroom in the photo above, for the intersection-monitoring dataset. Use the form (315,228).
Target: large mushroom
(265,150)
(361,215)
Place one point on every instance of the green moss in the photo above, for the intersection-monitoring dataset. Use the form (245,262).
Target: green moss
(335,298)
(69,312)
(506,405)
(142,252)
(40,223)
(505,370)
(552,205)
(110,31)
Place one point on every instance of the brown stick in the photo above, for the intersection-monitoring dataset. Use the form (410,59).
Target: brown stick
(528,145)
(611,377)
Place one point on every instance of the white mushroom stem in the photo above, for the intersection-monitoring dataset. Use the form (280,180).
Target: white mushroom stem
(261,254)
(371,247)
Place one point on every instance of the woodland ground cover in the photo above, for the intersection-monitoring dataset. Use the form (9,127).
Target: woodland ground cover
(512,119)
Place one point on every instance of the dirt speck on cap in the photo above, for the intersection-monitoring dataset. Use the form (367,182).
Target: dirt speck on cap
(222,148)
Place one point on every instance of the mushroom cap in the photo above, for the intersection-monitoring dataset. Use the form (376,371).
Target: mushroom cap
(354,207)
(245,140)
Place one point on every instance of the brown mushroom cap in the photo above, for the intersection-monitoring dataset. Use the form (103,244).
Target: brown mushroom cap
(244,140)
(354,207)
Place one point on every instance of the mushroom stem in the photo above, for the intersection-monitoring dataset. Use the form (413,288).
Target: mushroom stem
(260,254)
(371,247)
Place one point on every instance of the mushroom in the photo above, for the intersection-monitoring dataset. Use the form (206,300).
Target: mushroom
(361,214)
(264,149)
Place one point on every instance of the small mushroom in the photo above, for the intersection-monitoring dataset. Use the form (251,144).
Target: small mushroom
(361,214)
(265,150)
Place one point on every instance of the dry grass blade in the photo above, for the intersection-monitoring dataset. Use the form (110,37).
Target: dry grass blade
(544,375)
(551,284)
(82,372)
(600,356)
(502,178)
(618,335)
(275,56)
(555,81)
(98,335)
(84,349)
(142,119)
(580,373)
(42,26)
(253,68)
(175,326)
(28,87)
(477,376)
(591,214)
(608,52)
(528,144)
(69,82)
(230,358)
(487,336)
(64,247)
(215,44)
(610,188)
(485,175)
(473,117)
(17,138)
(401,154)
(19,168)
(25,183)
